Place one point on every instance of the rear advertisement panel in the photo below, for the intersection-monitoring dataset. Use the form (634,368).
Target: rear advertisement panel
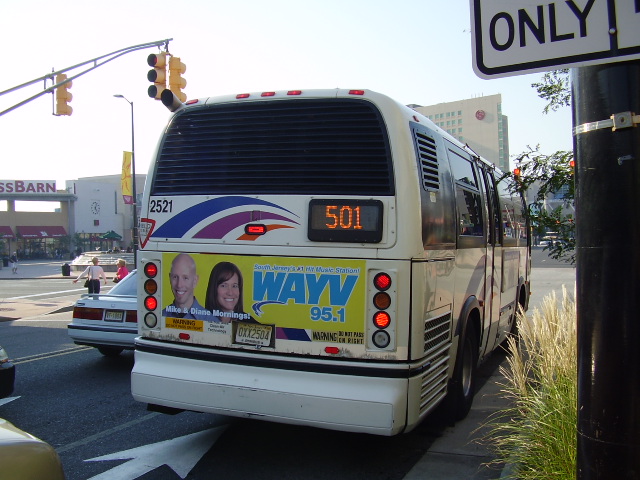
(297,305)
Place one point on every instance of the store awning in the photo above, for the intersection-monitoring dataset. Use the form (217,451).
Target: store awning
(6,232)
(41,232)
(111,235)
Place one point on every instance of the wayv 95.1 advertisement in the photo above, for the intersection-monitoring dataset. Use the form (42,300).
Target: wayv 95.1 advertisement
(264,302)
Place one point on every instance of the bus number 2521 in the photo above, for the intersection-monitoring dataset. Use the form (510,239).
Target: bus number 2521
(161,206)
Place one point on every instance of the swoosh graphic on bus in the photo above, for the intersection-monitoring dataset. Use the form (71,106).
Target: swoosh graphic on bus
(181,223)
(299,334)
(222,226)
(257,307)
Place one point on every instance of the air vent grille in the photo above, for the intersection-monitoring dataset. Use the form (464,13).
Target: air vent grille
(290,147)
(428,160)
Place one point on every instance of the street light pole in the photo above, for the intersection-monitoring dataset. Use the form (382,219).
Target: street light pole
(134,230)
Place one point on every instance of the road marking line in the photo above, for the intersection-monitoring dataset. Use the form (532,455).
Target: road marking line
(44,356)
(104,433)
(105,287)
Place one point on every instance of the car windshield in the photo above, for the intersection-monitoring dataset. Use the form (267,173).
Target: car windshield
(127,286)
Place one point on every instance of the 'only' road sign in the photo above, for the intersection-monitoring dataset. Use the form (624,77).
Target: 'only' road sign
(512,37)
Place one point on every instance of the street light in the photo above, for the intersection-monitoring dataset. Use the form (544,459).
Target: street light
(134,231)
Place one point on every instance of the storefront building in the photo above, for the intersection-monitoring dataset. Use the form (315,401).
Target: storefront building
(89,215)
(35,234)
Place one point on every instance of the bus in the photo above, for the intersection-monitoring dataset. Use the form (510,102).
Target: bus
(326,258)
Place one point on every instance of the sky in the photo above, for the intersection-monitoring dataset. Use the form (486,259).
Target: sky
(415,51)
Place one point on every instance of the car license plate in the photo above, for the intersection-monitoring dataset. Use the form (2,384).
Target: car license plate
(253,334)
(113,316)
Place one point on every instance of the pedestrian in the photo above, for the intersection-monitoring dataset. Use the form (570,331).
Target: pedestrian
(13,260)
(122,270)
(94,273)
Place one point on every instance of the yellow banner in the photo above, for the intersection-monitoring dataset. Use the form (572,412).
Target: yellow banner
(127,191)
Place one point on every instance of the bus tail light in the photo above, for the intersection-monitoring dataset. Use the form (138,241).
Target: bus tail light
(381,319)
(150,303)
(382,300)
(382,281)
(151,270)
(150,287)
(150,320)
(381,339)
(255,229)
(382,327)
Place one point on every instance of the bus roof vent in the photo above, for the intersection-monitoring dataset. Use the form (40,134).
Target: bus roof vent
(427,158)
(276,147)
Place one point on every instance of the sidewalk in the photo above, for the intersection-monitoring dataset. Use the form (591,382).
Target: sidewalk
(459,453)
(26,308)
(35,269)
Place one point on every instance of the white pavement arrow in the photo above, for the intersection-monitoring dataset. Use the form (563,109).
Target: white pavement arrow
(4,401)
(180,454)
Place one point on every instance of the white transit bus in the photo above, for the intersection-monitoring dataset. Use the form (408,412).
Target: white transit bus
(328,258)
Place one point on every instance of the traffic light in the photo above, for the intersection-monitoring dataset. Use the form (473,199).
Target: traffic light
(176,82)
(63,96)
(158,75)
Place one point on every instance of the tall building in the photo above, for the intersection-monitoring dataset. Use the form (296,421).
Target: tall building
(478,122)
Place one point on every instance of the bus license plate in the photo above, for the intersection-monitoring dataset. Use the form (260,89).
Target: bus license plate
(113,316)
(254,334)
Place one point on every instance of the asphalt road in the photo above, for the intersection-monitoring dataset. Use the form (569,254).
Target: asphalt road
(80,402)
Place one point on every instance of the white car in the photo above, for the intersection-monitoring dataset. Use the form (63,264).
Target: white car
(107,321)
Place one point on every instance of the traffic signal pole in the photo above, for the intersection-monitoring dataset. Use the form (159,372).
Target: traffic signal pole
(606,117)
(97,62)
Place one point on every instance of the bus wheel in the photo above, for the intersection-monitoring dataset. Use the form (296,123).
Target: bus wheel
(513,331)
(462,385)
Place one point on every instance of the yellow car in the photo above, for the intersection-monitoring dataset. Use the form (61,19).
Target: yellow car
(25,457)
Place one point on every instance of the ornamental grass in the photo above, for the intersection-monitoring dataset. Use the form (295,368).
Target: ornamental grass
(536,436)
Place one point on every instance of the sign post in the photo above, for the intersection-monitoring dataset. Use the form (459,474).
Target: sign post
(600,37)
(607,259)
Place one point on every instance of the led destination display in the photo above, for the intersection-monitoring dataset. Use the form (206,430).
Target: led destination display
(341,220)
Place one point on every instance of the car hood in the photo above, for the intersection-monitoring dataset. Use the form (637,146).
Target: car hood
(24,456)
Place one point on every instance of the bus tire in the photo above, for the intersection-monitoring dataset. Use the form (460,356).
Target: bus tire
(513,331)
(462,385)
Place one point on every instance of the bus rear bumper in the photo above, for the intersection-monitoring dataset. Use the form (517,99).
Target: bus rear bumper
(339,402)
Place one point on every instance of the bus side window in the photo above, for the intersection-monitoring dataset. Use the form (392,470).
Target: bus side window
(470,210)
(509,204)
(494,207)
(468,198)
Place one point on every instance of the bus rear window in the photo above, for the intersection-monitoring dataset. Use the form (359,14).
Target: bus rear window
(290,147)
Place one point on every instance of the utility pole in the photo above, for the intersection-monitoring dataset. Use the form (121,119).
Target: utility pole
(134,229)
(606,118)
